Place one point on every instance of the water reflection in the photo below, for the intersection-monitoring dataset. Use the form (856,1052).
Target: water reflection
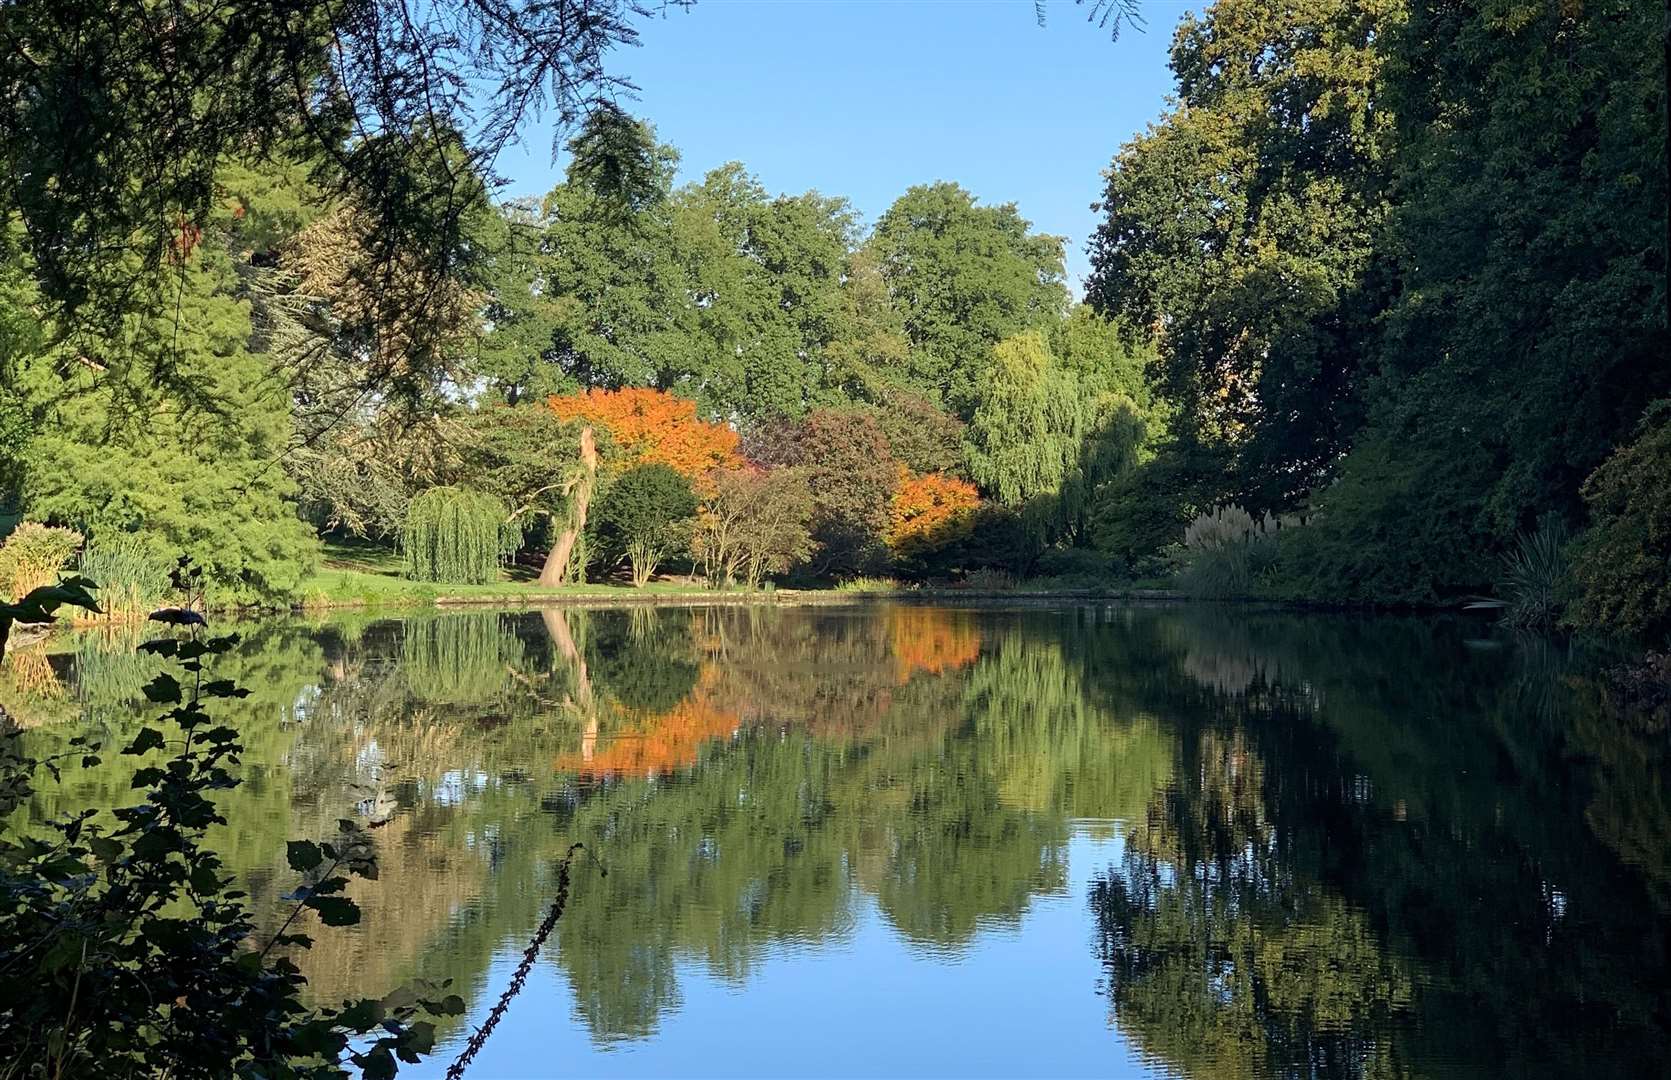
(1295,845)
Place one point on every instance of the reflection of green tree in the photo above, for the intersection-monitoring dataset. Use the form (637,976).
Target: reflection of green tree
(1375,859)
(1307,835)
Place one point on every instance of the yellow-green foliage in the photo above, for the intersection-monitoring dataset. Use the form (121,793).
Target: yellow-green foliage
(457,535)
(33,555)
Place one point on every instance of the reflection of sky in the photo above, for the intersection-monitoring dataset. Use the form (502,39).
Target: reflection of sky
(1016,1001)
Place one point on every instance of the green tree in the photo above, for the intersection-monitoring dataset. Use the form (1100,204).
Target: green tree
(1244,228)
(643,515)
(964,277)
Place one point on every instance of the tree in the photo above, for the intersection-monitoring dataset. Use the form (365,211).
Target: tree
(371,97)
(1244,227)
(930,511)
(964,277)
(1027,426)
(653,427)
(851,473)
(644,514)
(200,483)
(456,535)
(921,435)
(756,522)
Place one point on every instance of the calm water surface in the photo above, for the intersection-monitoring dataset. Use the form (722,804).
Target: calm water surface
(911,840)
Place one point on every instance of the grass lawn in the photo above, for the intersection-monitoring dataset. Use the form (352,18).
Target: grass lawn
(368,574)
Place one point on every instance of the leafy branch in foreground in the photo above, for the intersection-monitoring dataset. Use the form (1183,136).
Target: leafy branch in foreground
(126,951)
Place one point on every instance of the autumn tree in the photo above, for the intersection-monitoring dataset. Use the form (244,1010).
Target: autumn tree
(851,473)
(930,510)
(653,427)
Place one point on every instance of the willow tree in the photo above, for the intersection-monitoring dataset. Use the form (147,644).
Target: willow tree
(456,534)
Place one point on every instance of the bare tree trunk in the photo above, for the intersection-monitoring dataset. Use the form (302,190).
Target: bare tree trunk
(556,567)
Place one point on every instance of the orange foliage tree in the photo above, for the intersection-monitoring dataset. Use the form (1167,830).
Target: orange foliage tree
(930,510)
(654,426)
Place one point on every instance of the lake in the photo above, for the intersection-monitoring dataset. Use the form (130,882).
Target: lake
(908,840)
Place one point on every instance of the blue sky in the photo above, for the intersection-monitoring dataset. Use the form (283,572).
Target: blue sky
(864,98)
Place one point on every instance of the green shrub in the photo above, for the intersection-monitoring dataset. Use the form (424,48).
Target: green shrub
(646,513)
(1534,572)
(1622,562)
(1136,517)
(34,555)
(456,535)
(134,576)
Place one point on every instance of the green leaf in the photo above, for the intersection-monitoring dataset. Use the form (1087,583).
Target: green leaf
(451,1005)
(303,855)
(224,688)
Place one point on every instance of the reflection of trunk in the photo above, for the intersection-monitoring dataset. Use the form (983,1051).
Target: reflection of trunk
(580,498)
(557,625)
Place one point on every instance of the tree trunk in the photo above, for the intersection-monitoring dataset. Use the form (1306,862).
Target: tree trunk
(556,568)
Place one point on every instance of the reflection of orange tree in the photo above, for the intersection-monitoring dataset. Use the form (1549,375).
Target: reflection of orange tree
(932,641)
(662,743)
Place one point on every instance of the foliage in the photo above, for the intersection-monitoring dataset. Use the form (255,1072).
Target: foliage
(304,81)
(456,534)
(1535,573)
(851,473)
(1622,562)
(134,578)
(1226,552)
(1246,222)
(143,958)
(33,554)
(964,277)
(654,427)
(1142,512)
(756,522)
(921,436)
(1048,433)
(1026,428)
(644,514)
(930,511)
(113,452)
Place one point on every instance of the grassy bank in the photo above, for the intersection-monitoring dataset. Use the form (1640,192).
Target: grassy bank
(364,576)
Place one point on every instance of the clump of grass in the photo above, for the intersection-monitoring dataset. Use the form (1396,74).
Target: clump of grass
(133,578)
(989,579)
(1533,573)
(33,555)
(1226,551)
(864,584)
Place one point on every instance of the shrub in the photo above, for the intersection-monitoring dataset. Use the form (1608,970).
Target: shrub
(1534,572)
(1226,552)
(756,522)
(128,950)
(456,535)
(134,577)
(643,515)
(33,555)
(1622,562)
(930,512)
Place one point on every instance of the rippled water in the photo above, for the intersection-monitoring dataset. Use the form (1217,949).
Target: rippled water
(910,840)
